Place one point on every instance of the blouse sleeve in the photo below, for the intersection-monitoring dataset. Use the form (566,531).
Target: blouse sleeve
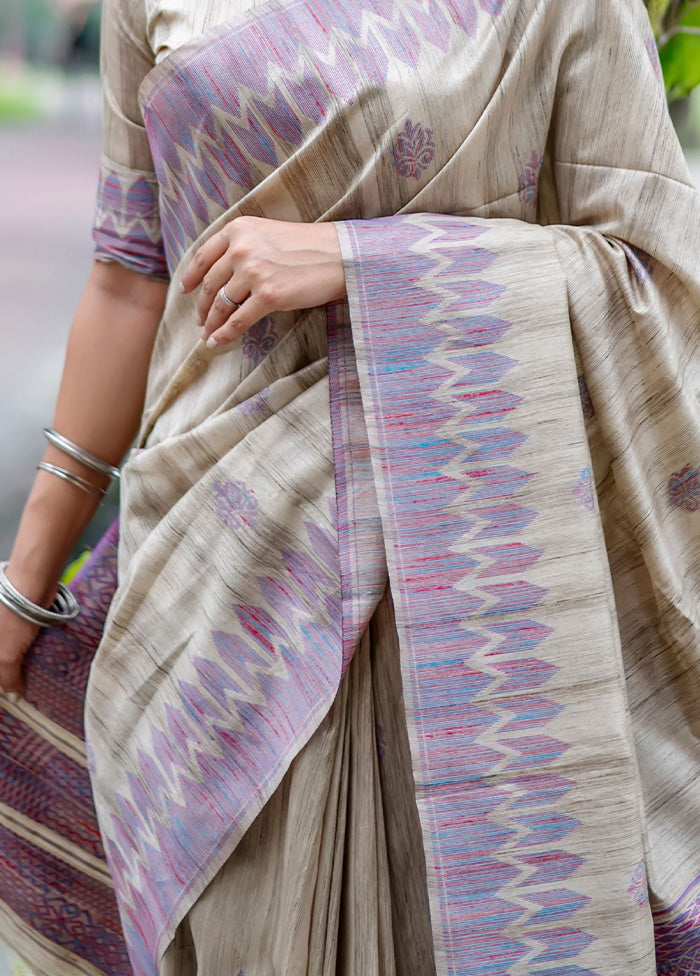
(127,225)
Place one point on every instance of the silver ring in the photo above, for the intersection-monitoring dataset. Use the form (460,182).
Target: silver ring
(225,299)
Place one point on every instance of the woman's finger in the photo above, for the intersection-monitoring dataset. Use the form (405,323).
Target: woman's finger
(220,311)
(203,259)
(251,311)
(11,682)
(218,276)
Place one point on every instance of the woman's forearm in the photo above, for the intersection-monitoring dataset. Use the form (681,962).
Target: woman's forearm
(99,407)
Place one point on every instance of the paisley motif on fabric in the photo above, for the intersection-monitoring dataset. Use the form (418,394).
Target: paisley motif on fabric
(529,181)
(639,887)
(584,490)
(684,489)
(413,150)
(236,505)
(259,341)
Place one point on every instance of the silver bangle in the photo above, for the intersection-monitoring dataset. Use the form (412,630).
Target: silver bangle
(80,454)
(74,479)
(65,607)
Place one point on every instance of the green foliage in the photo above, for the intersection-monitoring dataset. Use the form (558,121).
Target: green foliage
(74,568)
(18,103)
(676,25)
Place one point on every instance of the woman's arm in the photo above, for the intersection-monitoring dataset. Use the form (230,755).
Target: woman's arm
(99,407)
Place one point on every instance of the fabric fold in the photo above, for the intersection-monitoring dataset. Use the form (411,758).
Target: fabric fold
(518,229)
(504,603)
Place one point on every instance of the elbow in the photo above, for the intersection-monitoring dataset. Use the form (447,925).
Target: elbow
(121,284)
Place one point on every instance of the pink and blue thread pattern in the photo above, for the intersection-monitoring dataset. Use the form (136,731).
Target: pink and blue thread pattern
(74,910)
(529,181)
(236,505)
(677,931)
(485,770)
(413,150)
(262,682)
(683,489)
(243,105)
(127,223)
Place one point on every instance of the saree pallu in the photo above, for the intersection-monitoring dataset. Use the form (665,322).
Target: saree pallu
(520,237)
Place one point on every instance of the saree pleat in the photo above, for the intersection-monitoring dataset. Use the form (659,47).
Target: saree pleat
(330,878)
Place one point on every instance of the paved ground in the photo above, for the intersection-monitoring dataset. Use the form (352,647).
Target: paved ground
(47,186)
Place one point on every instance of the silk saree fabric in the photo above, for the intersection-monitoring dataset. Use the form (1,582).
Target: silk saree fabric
(57,905)
(520,237)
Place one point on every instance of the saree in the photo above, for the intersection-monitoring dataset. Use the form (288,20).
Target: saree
(500,423)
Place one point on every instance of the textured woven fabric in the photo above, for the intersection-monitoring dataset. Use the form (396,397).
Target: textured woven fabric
(508,432)
(57,905)
(330,879)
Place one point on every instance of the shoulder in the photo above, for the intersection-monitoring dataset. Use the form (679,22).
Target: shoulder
(128,17)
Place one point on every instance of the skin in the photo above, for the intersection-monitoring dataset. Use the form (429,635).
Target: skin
(265,265)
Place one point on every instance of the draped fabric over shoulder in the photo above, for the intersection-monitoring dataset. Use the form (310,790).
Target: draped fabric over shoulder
(429,558)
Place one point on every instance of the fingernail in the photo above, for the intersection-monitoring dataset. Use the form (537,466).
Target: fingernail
(212,343)
(13,697)
(181,287)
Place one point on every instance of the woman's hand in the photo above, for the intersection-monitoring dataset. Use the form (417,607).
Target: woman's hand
(264,266)
(16,637)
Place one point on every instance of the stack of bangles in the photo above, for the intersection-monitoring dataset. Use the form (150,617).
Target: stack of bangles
(64,607)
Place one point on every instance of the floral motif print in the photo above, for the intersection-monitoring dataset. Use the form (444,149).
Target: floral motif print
(235,504)
(414,150)
(638,886)
(653,53)
(529,181)
(256,406)
(586,402)
(259,340)
(585,491)
(684,489)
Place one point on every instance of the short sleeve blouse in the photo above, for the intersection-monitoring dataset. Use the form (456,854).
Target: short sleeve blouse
(127,222)
(136,35)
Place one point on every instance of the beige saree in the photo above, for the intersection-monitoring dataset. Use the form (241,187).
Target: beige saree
(401,675)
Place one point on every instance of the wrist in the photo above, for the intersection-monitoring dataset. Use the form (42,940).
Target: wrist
(52,522)
(32,582)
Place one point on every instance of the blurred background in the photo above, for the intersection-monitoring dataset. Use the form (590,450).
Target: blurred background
(49,153)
